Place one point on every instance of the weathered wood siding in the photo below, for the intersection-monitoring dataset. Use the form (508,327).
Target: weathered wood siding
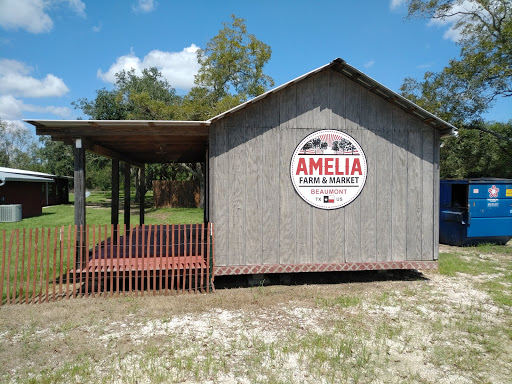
(260,219)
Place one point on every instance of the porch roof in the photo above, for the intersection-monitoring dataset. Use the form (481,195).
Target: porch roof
(134,141)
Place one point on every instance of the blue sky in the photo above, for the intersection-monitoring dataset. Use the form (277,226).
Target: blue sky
(53,52)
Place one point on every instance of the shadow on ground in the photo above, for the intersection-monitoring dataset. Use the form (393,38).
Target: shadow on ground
(310,278)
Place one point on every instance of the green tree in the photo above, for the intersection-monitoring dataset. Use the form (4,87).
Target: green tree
(485,28)
(105,106)
(146,97)
(231,70)
(149,96)
(474,153)
(17,147)
(56,157)
(233,61)
(468,85)
(198,105)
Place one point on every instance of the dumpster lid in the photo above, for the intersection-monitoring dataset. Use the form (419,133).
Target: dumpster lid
(478,180)
(488,180)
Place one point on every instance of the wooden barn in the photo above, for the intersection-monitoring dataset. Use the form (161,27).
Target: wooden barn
(264,226)
(330,171)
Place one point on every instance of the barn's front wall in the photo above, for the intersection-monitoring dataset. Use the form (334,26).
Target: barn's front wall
(260,219)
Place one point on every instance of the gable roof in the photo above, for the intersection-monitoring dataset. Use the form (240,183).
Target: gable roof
(367,82)
(159,141)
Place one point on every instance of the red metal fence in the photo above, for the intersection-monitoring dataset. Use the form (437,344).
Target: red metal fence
(49,264)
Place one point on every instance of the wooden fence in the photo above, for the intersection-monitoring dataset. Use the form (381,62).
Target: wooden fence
(49,264)
(171,193)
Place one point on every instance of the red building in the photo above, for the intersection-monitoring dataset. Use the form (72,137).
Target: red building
(32,190)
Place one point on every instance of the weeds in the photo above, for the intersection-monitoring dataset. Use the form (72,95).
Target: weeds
(497,275)
(340,301)
(453,324)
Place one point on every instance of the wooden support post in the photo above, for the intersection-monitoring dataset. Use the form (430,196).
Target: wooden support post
(142,193)
(79,180)
(206,192)
(114,213)
(127,194)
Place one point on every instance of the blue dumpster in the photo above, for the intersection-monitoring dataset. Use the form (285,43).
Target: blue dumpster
(475,211)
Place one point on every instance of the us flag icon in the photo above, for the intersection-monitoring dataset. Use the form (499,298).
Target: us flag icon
(328,199)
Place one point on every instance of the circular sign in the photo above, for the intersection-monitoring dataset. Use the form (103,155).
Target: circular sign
(328,169)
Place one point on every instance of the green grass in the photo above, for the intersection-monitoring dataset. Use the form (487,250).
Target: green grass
(500,292)
(59,215)
(340,301)
(452,263)
(105,197)
(485,259)
(97,214)
(493,249)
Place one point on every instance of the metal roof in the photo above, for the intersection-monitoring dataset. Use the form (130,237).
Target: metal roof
(370,84)
(24,172)
(32,173)
(134,141)
(8,176)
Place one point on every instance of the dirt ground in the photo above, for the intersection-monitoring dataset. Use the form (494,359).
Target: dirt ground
(397,327)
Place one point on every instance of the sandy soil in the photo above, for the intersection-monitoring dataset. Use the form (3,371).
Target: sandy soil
(425,328)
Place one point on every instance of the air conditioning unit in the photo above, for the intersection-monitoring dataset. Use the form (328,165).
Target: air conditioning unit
(10,213)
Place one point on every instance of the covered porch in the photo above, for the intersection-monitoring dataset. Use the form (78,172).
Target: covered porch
(154,252)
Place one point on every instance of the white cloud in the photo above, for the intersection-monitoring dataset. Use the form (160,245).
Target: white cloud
(59,111)
(144,6)
(25,14)
(178,68)
(453,33)
(12,108)
(396,3)
(15,80)
(369,64)
(97,28)
(15,125)
(31,15)
(76,6)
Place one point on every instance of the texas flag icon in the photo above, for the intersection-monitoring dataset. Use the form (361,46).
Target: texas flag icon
(328,199)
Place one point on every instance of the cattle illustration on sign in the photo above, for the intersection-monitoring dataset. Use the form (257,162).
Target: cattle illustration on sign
(328,169)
